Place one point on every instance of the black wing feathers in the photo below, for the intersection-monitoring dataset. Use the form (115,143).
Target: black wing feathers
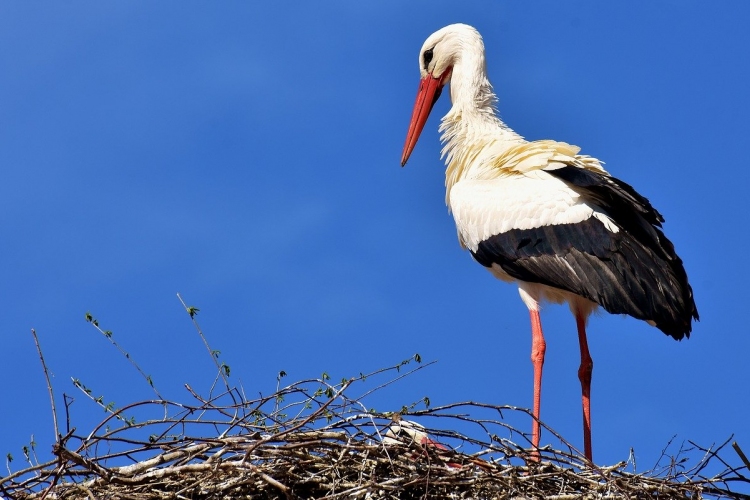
(610,191)
(619,200)
(634,271)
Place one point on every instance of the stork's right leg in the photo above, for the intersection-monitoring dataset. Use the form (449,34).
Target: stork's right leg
(538,348)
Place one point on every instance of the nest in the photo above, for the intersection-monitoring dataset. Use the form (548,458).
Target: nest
(315,439)
(311,440)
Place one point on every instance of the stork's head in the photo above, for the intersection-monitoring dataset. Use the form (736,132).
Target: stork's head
(437,58)
(406,432)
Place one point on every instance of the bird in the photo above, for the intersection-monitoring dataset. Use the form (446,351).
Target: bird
(543,216)
(407,433)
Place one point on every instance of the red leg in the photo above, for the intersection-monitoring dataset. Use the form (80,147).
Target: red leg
(538,347)
(584,375)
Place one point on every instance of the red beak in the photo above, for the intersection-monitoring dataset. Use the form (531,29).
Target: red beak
(428,93)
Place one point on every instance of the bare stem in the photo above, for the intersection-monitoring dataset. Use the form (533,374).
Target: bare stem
(109,336)
(191,312)
(49,385)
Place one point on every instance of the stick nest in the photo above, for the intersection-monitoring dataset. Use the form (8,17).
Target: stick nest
(312,440)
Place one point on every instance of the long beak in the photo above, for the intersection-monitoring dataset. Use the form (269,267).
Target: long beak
(428,93)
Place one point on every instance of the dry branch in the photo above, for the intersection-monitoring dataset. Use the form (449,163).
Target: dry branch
(332,447)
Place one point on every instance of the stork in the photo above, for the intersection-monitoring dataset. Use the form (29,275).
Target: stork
(544,217)
(408,432)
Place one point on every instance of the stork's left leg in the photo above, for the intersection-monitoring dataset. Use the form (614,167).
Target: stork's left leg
(538,348)
(584,375)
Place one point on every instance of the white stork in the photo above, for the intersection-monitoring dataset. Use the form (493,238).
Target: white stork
(407,432)
(541,215)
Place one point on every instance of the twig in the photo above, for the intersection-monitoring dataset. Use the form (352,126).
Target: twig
(221,368)
(109,408)
(741,454)
(110,336)
(49,385)
(406,374)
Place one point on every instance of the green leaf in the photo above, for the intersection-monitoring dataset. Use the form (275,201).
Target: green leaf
(9,457)
(417,358)
(225,368)
(326,376)
(108,333)
(282,374)
(329,392)
(89,317)
(426,401)
(192,311)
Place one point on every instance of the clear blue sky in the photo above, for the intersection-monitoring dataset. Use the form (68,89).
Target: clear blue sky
(246,155)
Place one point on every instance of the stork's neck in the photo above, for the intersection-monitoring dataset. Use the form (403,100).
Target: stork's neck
(473,134)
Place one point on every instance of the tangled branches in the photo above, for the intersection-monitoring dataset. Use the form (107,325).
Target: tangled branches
(312,440)
(315,439)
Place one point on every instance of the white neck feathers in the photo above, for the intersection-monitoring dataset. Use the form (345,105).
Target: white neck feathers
(472,133)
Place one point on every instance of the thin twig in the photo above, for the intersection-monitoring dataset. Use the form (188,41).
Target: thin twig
(110,336)
(49,385)
(221,368)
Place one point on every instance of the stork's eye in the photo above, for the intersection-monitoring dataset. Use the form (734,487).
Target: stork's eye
(427,57)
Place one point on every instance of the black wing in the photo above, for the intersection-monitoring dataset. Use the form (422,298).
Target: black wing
(633,271)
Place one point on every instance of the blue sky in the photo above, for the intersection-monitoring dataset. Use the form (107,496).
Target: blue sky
(246,155)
